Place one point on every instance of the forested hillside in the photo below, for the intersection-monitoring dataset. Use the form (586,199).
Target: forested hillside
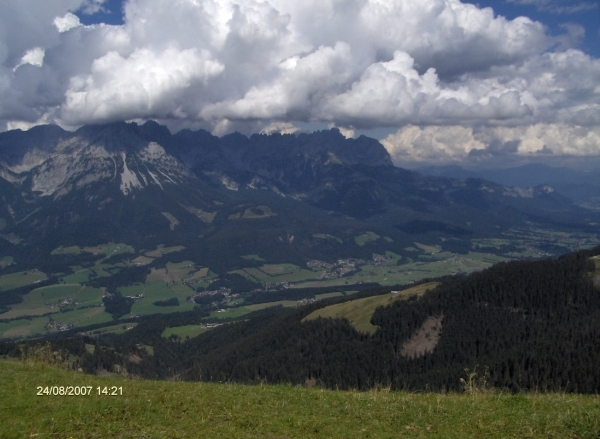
(528,325)
(533,324)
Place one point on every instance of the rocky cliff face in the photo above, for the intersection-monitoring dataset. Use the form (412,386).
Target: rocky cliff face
(67,161)
(50,161)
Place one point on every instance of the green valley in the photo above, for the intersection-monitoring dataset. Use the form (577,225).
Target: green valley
(164,274)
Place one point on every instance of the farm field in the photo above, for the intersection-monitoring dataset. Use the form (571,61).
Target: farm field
(154,291)
(532,241)
(108,249)
(148,409)
(23,327)
(239,311)
(360,311)
(423,266)
(182,332)
(428,261)
(413,270)
(230,313)
(277,273)
(253,258)
(258,212)
(365,238)
(114,329)
(46,300)
(36,325)
(284,303)
(326,236)
(20,279)
(79,276)
(328,295)
(6,261)
(83,316)
(206,217)
(161,250)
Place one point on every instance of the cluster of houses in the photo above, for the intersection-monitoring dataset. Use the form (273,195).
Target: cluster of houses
(277,285)
(377,259)
(135,298)
(341,268)
(70,301)
(226,292)
(53,324)
(347,266)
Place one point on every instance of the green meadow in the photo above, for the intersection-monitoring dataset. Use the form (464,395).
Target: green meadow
(365,238)
(46,300)
(6,261)
(360,311)
(182,332)
(20,279)
(171,409)
(30,326)
(154,291)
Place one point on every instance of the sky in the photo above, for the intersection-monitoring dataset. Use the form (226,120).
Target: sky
(436,81)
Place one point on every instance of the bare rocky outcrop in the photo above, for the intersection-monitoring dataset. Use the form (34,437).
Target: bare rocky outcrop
(425,339)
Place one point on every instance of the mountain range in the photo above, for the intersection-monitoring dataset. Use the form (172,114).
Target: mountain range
(237,195)
(582,186)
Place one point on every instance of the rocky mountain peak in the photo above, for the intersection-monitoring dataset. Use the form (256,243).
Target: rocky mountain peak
(117,153)
(114,137)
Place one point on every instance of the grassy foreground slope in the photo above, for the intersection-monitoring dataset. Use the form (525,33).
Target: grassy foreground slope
(153,409)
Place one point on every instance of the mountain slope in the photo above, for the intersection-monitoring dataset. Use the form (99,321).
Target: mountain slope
(142,185)
(534,324)
(583,187)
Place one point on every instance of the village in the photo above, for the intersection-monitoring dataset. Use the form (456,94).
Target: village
(347,266)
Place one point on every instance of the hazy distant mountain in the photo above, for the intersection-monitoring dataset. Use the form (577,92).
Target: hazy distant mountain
(583,187)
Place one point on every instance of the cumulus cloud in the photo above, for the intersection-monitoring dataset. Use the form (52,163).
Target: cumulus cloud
(141,83)
(412,145)
(447,66)
(34,56)
(66,23)
(348,133)
(280,127)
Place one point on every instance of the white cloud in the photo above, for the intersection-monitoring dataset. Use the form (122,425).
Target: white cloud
(280,127)
(66,23)
(360,64)
(433,144)
(348,133)
(300,86)
(446,144)
(34,56)
(144,82)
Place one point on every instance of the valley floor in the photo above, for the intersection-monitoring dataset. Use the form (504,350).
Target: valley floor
(153,409)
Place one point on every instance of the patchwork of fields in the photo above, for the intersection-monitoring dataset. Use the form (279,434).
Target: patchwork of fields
(71,303)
